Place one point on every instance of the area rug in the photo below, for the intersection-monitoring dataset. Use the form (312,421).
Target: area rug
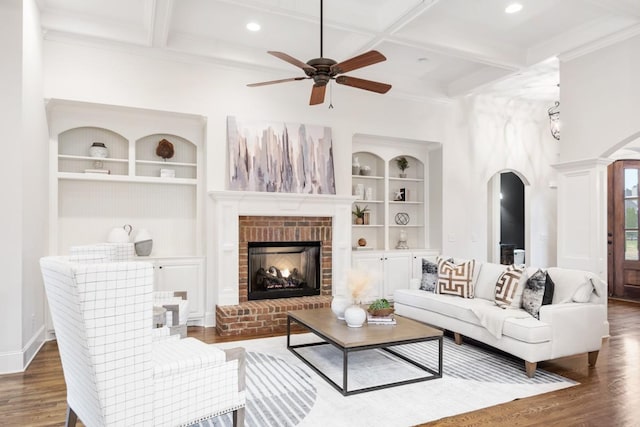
(283,391)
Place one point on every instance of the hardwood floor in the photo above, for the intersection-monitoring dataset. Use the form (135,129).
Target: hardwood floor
(608,395)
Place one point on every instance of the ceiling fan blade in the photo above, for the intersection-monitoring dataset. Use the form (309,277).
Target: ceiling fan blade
(363,84)
(367,58)
(277,81)
(317,94)
(291,60)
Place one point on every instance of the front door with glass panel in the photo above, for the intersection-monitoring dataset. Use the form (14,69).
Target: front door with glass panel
(624,229)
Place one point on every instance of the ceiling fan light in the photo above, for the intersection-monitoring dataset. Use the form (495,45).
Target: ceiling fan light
(253,26)
(513,8)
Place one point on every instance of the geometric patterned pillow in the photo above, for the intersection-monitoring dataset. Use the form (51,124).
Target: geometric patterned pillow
(455,279)
(507,286)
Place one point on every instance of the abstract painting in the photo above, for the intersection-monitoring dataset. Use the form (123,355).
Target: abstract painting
(280,157)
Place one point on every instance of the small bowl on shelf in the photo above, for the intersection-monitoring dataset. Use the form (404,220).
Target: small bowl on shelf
(365,170)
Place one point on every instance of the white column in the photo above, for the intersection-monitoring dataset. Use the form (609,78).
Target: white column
(582,215)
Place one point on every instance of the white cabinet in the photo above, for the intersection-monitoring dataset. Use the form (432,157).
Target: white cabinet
(183,274)
(389,271)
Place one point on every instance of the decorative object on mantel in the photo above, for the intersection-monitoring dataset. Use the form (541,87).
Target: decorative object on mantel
(402,218)
(359,214)
(402,240)
(323,70)
(120,234)
(403,164)
(143,243)
(280,157)
(165,149)
(554,120)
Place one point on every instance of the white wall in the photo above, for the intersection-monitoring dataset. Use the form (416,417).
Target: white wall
(600,100)
(35,177)
(490,135)
(24,193)
(11,214)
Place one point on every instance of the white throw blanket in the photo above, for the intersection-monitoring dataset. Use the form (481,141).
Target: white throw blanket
(492,317)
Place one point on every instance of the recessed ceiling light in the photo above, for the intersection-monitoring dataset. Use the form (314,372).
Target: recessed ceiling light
(513,8)
(253,26)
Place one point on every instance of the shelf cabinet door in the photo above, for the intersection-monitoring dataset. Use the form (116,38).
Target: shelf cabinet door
(183,275)
(397,273)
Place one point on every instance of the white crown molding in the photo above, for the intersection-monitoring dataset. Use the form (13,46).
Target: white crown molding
(579,165)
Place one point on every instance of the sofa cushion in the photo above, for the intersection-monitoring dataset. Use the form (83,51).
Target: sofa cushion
(485,286)
(567,282)
(509,287)
(447,305)
(533,293)
(455,279)
(527,329)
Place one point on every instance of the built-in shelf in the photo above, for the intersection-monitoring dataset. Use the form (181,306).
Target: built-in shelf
(365,177)
(93,159)
(167,164)
(125,178)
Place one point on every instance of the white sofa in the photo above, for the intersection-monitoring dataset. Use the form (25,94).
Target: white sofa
(565,327)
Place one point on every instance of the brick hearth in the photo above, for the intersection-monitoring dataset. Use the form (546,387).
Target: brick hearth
(270,316)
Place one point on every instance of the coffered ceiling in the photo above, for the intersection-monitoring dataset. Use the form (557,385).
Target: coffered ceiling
(435,48)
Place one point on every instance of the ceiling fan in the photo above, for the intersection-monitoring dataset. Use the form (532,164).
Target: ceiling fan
(323,70)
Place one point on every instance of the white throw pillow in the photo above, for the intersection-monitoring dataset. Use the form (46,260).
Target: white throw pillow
(584,291)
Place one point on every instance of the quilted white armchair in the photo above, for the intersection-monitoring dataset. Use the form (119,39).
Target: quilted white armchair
(175,302)
(116,373)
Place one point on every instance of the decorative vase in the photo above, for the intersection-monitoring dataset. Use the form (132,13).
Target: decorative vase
(143,243)
(359,220)
(355,316)
(338,305)
(402,175)
(98,149)
(355,166)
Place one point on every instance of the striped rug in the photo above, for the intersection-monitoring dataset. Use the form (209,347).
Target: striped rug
(281,391)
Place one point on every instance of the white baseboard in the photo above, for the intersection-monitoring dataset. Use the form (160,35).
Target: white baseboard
(17,361)
(209,319)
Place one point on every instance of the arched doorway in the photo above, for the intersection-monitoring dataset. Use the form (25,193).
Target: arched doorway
(508,223)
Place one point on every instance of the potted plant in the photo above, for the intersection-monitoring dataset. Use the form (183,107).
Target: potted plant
(380,307)
(359,213)
(403,164)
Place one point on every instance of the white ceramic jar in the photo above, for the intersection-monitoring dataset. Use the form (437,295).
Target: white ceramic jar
(99,150)
(338,305)
(355,316)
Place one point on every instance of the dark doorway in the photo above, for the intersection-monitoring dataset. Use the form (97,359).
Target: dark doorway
(511,216)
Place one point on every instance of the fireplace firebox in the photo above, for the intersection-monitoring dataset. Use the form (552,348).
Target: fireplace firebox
(283,269)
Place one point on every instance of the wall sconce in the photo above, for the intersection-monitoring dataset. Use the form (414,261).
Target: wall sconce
(554,120)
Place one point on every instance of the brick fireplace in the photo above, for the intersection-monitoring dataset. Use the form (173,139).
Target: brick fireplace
(241,217)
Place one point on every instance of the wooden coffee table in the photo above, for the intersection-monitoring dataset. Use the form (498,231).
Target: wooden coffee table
(323,323)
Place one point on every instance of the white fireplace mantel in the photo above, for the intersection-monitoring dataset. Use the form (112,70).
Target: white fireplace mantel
(229,205)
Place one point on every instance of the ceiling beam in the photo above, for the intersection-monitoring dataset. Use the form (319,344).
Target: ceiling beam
(158,16)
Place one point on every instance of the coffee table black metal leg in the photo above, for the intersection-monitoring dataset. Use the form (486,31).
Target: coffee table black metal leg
(440,345)
(288,331)
(345,370)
